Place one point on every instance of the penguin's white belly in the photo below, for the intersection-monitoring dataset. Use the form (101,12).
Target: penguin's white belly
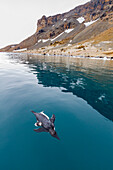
(39,124)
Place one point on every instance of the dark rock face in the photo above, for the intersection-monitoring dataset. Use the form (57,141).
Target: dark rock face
(42,23)
(93,9)
(52,26)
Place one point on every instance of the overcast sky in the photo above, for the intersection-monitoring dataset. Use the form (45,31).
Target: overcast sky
(18,18)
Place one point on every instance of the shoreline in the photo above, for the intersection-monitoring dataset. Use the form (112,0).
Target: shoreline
(104,57)
(84,50)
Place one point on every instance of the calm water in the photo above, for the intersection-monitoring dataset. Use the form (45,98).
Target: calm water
(78,91)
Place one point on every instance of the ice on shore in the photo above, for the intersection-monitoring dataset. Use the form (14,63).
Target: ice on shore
(106,42)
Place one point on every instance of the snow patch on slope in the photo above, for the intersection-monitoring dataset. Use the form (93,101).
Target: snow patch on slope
(69,30)
(64,19)
(45,40)
(23,49)
(89,23)
(57,37)
(80,19)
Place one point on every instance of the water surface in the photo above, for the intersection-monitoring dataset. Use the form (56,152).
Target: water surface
(78,91)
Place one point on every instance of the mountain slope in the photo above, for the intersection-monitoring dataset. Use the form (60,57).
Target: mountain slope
(79,24)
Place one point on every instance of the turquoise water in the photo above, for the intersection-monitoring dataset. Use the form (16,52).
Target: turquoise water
(78,91)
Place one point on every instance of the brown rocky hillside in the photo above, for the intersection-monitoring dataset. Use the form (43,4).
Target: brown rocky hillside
(79,24)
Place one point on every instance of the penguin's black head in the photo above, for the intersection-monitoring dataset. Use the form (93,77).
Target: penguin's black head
(53,133)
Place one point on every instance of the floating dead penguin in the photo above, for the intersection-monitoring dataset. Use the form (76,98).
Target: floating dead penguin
(45,124)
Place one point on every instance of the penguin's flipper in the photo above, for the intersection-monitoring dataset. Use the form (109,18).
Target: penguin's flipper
(52,118)
(40,130)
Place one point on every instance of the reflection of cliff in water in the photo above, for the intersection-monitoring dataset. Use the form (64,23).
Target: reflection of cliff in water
(85,78)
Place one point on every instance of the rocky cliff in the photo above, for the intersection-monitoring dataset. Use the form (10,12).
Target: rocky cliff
(79,24)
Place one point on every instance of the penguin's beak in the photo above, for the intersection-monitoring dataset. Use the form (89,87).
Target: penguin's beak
(56,136)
